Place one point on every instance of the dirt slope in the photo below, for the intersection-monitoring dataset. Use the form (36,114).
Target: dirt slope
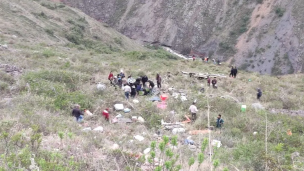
(262,36)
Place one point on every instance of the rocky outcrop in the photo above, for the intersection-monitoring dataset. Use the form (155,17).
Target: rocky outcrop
(262,35)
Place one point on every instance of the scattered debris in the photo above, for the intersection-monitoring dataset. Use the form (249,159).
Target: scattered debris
(139,137)
(289,133)
(135,101)
(87,112)
(100,87)
(87,129)
(255,133)
(196,132)
(115,147)
(188,141)
(155,99)
(243,108)
(216,143)
(127,110)
(162,105)
(118,107)
(138,119)
(178,130)
(100,128)
(147,150)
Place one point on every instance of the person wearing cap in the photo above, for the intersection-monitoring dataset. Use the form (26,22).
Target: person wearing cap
(214,81)
(77,113)
(193,110)
(106,114)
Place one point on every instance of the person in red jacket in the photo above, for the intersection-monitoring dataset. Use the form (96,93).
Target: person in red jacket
(111,78)
(106,114)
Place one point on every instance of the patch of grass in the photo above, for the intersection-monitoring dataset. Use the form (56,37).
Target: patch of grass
(48,53)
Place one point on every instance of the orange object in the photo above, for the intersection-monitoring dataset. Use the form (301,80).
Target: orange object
(289,132)
(196,132)
(188,119)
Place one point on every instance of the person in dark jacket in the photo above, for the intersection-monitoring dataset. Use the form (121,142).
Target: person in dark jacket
(158,80)
(219,121)
(77,113)
(133,90)
(144,79)
(259,94)
(151,84)
(214,82)
(235,71)
(231,72)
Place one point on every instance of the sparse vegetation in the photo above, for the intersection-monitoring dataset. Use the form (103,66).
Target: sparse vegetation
(38,131)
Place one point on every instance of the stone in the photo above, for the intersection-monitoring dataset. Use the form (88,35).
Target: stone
(178,130)
(115,147)
(139,137)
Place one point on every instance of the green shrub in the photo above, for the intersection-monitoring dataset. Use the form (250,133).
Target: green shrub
(48,53)
(49,32)
(279,11)
(6,78)
(49,6)
(3,87)
(64,101)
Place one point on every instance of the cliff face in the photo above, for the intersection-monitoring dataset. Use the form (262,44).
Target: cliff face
(257,35)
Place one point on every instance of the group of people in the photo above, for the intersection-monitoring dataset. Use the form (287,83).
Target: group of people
(206,59)
(213,82)
(132,87)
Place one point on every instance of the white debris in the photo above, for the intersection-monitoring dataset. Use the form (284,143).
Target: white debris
(100,128)
(127,110)
(100,87)
(119,106)
(139,137)
(178,130)
(140,119)
(115,147)
(254,133)
(216,143)
(135,101)
(87,112)
(147,150)
(183,98)
(87,129)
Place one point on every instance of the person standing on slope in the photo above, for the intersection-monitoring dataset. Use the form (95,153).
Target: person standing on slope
(158,80)
(77,113)
(231,72)
(235,71)
(259,94)
(193,110)
(127,90)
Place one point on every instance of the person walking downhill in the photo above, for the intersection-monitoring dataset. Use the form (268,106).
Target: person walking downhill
(158,80)
(193,110)
(127,90)
(77,113)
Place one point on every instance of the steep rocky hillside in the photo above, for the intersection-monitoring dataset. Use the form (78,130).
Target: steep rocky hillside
(53,57)
(257,35)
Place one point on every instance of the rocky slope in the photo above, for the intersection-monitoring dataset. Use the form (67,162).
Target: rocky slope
(257,35)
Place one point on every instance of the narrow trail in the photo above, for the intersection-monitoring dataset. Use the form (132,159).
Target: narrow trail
(130,4)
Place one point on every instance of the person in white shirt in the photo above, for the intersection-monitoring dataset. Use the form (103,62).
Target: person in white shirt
(193,110)
(127,90)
